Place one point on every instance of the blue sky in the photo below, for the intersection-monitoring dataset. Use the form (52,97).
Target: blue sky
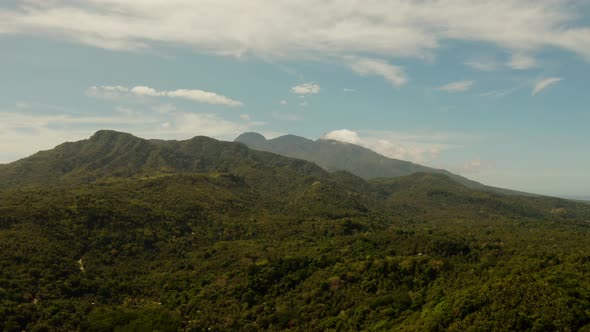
(495,91)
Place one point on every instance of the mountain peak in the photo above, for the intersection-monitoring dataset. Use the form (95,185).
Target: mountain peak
(251,136)
(291,137)
(252,139)
(108,135)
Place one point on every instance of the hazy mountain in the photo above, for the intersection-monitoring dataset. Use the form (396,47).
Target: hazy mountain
(121,233)
(334,155)
(585,198)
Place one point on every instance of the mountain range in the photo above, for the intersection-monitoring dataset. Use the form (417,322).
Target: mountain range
(120,233)
(335,155)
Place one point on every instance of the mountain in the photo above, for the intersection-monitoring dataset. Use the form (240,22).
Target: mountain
(114,154)
(583,198)
(119,233)
(334,155)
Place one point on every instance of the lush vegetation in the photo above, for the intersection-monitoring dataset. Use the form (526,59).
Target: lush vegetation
(210,236)
(338,156)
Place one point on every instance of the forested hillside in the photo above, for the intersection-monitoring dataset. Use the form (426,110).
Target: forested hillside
(339,156)
(118,233)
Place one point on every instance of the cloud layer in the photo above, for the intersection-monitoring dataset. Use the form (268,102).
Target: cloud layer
(305,28)
(113,92)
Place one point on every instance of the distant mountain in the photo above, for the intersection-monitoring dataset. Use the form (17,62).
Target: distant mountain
(584,198)
(334,155)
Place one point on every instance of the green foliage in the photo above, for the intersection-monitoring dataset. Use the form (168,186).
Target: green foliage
(134,235)
(128,320)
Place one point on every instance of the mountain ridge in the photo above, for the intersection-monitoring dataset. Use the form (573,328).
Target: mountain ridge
(334,155)
(112,153)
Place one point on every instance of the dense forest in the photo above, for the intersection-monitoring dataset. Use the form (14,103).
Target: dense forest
(117,233)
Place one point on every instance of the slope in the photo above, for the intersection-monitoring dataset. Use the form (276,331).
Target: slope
(114,154)
(121,233)
(333,155)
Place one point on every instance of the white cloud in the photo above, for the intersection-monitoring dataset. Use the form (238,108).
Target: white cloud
(420,148)
(304,103)
(484,64)
(459,86)
(343,135)
(305,28)
(393,74)
(245,117)
(115,92)
(348,90)
(283,102)
(522,62)
(107,91)
(306,89)
(203,97)
(545,83)
(146,91)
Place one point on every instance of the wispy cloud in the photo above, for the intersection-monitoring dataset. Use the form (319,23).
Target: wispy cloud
(416,147)
(544,83)
(113,92)
(460,86)
(522,62)
(107,91)
(299,29)
(306,89)
(393,74)
(518,61)
(484,64)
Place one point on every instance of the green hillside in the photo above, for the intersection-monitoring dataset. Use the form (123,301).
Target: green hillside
(333,156)
(118,233)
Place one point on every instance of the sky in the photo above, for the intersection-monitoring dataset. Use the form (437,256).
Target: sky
(496,91)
